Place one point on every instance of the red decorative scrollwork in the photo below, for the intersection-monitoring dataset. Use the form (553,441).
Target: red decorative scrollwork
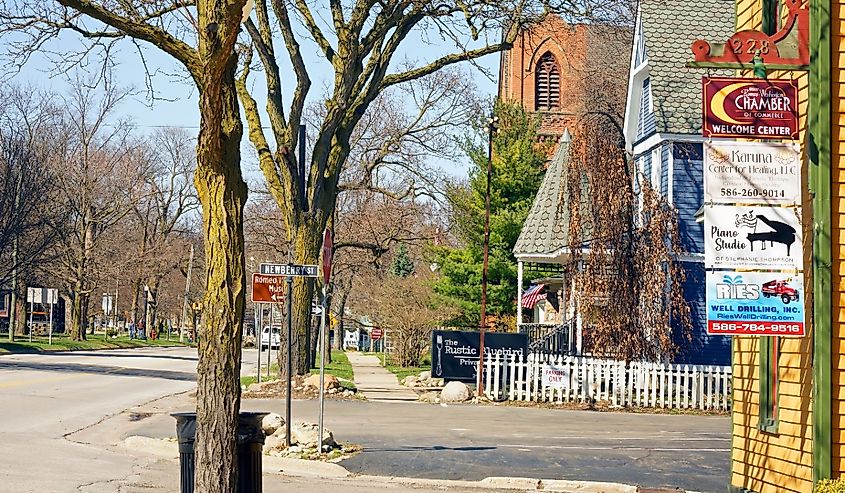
(789,46)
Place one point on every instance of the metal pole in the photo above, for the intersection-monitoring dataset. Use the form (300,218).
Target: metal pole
(260,322)
(289,362)
(116,316)
(50,334)
(322,372)
(270,341)
(31,309)
(187,290)
(480,372)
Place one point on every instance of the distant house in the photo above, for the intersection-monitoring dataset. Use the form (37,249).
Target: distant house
(663,134)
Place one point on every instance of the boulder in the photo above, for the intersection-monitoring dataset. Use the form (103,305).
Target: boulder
(330,382)
(437,382)
(410,381)
(425,376)
(305,435)
(271,423)
(455,392)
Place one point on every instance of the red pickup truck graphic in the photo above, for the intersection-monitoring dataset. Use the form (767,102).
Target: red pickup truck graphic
(782,289)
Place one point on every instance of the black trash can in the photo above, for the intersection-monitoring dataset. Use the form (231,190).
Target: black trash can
(250,443)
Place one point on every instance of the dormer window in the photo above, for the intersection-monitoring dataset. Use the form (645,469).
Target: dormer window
(547,83)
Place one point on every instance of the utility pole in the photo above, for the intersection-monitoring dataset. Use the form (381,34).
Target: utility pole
(187,291)
(491,128)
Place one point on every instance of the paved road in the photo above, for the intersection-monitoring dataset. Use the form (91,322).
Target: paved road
(54,409)
(45,396)
(471,443)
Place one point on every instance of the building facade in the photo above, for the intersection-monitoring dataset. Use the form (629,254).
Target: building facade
(662,129)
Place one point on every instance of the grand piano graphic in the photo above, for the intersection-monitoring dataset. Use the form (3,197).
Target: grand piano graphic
(781,232)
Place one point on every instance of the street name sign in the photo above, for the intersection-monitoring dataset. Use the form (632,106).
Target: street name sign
(268,289)
(750,108)
(752,173)
(290,270)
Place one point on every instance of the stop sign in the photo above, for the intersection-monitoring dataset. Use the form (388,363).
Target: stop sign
(327,255)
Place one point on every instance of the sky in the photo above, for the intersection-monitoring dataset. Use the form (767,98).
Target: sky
(175,98)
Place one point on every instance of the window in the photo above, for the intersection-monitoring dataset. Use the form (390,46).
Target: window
(769,384)
(771,16)
(547,83)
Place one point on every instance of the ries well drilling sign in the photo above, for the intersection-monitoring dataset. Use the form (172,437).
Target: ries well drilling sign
(753,244)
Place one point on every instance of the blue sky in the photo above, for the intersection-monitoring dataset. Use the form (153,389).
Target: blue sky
(175,102)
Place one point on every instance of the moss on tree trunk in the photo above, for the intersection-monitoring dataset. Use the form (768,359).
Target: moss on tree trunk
(222,193)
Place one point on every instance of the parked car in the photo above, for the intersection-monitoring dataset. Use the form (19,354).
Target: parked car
(272,341)
(782,289)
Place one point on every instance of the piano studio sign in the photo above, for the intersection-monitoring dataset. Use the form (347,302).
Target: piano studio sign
(752,237)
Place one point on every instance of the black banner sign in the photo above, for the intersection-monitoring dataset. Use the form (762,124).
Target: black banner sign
(454,354)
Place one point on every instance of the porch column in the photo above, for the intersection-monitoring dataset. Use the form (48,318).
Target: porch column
(518,294)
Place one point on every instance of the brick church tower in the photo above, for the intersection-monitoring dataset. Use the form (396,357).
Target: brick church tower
(560,70)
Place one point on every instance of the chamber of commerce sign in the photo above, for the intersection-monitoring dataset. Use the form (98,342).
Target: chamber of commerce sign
(755,303)
(752,173)
(750,108)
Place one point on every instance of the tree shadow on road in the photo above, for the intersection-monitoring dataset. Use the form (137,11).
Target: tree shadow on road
(99,370)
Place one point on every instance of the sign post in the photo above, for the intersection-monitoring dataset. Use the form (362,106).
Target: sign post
(288,271)
(327,272)
(289,307)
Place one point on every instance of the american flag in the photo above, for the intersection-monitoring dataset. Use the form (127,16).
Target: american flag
(533,295)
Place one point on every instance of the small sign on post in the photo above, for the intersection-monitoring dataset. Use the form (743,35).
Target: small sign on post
(376,333)
(291,270)
(268,289)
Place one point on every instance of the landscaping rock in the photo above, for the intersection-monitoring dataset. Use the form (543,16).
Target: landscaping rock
(331,382)
(271,423)
(305,435)
(455,392)
(437,382)
(273,443)
(410,381)
(430,397)
(425,376)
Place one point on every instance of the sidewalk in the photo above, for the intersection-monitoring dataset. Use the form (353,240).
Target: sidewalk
(376,383)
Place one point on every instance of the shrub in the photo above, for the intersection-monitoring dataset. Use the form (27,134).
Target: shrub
(831,486)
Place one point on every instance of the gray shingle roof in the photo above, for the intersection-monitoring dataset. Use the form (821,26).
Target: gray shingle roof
(670,27)
(546,229)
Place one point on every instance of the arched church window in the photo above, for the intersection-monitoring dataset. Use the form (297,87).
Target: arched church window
(547,83)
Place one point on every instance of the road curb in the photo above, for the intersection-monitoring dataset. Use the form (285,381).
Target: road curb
(316,469)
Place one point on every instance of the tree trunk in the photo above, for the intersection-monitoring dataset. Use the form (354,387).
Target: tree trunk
(307,243)
(77,330)
(222,192)
(136,283)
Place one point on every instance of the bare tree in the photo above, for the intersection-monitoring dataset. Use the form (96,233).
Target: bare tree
(27,121)
(200,35)
(164,215)
(97,171)
(359,47)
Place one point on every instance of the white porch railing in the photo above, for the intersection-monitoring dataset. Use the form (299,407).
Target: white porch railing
(564,379)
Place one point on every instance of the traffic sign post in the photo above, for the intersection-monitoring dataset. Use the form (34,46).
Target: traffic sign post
(327,270)
(267,288)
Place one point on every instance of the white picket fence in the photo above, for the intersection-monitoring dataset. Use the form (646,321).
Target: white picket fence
(586,379)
